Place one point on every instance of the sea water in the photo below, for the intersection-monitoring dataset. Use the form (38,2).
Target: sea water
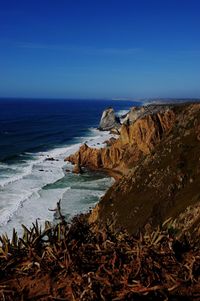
(35,137)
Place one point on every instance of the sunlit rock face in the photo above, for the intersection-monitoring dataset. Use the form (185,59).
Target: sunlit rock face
(135,140)
(156,162)
(109,120)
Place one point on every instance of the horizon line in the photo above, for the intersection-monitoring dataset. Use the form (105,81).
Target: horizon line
(136,99)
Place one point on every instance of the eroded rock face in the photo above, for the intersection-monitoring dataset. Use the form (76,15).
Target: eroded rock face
(146,132)
(109,120)
(132,115)
(135,140)
(158,158)
(140,112)
(86,156)
(77,169)
(166,183)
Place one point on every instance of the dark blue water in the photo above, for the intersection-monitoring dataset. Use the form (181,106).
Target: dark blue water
(37,125)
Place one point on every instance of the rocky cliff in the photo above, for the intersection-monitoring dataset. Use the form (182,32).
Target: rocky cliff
(135,141)
(109,120)
(158,157)
(165,183)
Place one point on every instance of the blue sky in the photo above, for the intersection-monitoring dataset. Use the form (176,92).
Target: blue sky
(100,49)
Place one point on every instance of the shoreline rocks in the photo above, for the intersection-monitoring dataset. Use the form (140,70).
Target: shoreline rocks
(77,169)
(109,120)
(151,155)
(134,142)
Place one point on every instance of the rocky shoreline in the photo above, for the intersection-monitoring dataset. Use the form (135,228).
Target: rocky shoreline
(147,188)
(140,130)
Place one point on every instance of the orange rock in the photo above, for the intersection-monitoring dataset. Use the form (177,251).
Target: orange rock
(135,140)
(77,169)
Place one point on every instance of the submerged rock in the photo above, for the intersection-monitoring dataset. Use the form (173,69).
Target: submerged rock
(50,159)
(109,120)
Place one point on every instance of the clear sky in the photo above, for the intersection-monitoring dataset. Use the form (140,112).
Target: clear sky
(100,48)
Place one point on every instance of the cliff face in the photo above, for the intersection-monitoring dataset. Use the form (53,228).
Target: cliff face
(166,183)
(158,157)
(135,141)
(109,120)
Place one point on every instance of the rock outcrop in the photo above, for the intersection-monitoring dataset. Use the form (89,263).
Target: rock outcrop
(135,141)
(166,181)
(77,169)
(109,120)
(133,114)
(157,156)
(140,112)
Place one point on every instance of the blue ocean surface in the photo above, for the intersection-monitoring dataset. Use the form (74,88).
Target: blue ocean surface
(31,132)
(36,125)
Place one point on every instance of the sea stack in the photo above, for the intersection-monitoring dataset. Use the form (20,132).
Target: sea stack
(109,120)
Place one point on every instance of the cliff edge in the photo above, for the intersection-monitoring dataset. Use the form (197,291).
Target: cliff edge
(156,159)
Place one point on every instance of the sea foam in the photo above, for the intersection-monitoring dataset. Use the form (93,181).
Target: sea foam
(23,193)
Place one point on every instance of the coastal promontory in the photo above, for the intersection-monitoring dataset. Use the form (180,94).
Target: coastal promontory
(155,161)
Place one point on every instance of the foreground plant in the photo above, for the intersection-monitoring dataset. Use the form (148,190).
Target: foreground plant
(79,261)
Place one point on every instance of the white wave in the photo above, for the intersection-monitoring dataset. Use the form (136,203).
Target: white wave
(17,176)
(83,200)
(21,194)
(38,206)
(24,169)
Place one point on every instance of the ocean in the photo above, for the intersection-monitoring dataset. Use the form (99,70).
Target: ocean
(32,132)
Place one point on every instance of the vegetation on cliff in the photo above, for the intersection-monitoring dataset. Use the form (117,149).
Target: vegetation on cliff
(82,261)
